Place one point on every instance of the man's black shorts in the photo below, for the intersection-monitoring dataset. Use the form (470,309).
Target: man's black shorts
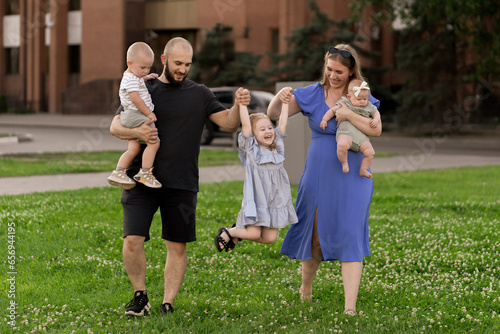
(177,207)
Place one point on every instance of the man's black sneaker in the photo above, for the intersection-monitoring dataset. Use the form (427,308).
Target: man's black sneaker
(138,305)
(166,308)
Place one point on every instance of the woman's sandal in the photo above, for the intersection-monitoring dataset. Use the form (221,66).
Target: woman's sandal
(220,240)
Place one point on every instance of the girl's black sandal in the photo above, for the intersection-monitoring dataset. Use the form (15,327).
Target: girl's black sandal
(220,240)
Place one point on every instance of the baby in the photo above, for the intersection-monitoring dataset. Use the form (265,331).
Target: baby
(348,136)
(138,108)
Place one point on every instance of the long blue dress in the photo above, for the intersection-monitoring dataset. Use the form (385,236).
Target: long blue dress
(342,200)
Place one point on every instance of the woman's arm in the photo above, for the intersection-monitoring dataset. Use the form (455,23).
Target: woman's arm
(375,119)
(143,132)
(360,122)
(274,108)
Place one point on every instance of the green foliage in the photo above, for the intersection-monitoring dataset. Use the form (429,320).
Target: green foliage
(16,109)
(308,45)
(444,47)
(434,266)
(433,88)
(217,64)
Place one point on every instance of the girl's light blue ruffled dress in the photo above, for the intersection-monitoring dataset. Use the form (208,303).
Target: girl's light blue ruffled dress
(267,199)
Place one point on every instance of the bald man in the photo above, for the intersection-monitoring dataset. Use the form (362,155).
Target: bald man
(182,108)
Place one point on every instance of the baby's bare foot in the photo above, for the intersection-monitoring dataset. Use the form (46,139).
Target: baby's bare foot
(365,173)
(345,168)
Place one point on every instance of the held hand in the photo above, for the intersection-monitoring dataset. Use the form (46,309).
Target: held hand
(374,123)
(242,97)
(323,124)
(150,76)
(285,94)
(152,116)
(146,133)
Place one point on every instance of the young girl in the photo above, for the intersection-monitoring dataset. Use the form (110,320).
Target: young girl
(267,200)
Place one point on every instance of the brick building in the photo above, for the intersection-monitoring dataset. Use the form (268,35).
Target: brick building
(67,56)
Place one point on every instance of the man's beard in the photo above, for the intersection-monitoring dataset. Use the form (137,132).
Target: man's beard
(171,80)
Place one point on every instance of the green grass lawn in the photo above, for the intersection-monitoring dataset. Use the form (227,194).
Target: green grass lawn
(434,268)
(89,162)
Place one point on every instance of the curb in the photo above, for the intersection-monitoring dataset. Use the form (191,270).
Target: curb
(14,139)
(57,120)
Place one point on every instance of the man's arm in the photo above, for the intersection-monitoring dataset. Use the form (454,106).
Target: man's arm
(143,132)
(229,119)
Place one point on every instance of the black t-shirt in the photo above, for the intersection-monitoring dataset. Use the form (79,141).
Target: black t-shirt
(181,113)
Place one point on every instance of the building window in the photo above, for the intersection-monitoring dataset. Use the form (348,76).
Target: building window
(74,5)
(12,7)
(12,60)
(275,40)
(74,58)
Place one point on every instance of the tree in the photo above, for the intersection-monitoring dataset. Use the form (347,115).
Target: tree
(217,64)
(448,48)
(308,45)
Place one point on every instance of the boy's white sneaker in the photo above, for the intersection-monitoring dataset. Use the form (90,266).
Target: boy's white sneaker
(147,178)
(119,178)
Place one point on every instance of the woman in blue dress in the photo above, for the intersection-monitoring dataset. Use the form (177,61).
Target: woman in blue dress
(332,207)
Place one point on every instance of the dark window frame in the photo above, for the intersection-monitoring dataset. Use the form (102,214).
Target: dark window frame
(12,60)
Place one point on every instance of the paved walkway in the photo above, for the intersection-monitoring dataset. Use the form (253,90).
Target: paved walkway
(58,133)
(35,133)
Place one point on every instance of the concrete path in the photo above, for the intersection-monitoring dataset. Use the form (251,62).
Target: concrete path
(61,133)
(30,184)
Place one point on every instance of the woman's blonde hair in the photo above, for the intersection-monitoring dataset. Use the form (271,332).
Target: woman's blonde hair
(352,63)
(254,118)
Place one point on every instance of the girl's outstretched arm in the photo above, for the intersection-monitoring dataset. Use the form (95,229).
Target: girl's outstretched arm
(285,94)
(246,127)
(283,118)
